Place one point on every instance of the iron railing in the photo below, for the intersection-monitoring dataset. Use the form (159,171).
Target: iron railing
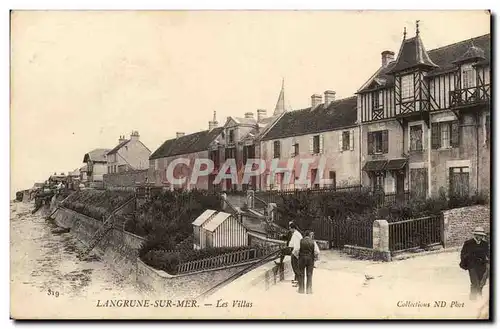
(416,233)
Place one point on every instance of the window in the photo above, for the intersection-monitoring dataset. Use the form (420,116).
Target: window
(333,178)
(277,146)
(377,102)
(231,153)
(214,156)
(378,142)
(407,86)
(468,78)
(459,181)
(346,141)
(416,134)
(231,136)
(377,183)
(418,182)
(248,153)
(445,134)
(295,149)
(314,177)
(316,144)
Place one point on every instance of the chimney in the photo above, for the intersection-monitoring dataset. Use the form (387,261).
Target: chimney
(316,99)
(387,57)
(261,114)
(213,124)
(248,115)
(134,135)
(121,139)
(179,134)
(329,97)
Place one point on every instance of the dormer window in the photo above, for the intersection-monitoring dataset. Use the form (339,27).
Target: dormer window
(407,87)
(468,76)
(377,102)
(231,136)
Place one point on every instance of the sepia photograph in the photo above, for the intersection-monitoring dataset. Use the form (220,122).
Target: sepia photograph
(250,164)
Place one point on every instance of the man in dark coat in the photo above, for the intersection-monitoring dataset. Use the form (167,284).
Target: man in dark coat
(308,253)
(474,257)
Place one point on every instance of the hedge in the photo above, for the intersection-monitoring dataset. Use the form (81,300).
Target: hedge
(362,207)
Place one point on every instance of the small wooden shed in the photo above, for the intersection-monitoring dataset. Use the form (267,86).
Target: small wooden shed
(214,229)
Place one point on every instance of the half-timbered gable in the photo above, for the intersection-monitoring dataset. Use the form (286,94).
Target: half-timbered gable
(430,111)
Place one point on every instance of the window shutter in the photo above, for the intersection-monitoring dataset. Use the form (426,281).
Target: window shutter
(351,139)
(385,141)
(370,143)
(455,134)
(321,144)
(341,141)
(487,127)
(311,145)
(435,138)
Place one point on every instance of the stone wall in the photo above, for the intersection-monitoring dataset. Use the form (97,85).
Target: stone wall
(359,252)
(260,240)
(124,180)
(460,222)
(188,285)
(119,248)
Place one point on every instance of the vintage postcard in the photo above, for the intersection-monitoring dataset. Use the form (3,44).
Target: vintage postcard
(250,164)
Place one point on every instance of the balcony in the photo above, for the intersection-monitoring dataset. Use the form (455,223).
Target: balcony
(468,97)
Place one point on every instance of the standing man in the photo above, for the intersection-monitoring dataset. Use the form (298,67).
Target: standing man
(294,244)
(474,257)
(308,253)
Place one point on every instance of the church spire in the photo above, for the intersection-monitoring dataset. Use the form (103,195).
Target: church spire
(280,104)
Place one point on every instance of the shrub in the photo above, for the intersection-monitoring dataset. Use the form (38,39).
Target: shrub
(97,204)
(166,220)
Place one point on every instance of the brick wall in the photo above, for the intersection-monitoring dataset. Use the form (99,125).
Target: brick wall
(460,222)
(125,179)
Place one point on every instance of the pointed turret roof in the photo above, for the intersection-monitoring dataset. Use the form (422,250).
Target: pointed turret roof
(280,104)
(412,54)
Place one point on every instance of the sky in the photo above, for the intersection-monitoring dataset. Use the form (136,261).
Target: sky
(80,79)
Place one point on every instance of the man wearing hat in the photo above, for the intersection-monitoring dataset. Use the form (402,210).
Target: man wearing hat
(474,257)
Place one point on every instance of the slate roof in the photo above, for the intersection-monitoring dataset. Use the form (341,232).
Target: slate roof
(248,121)
(119,146)
(187,144)
(75,172)
(444,57)
(412,54)
(340,113)
(97,155)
